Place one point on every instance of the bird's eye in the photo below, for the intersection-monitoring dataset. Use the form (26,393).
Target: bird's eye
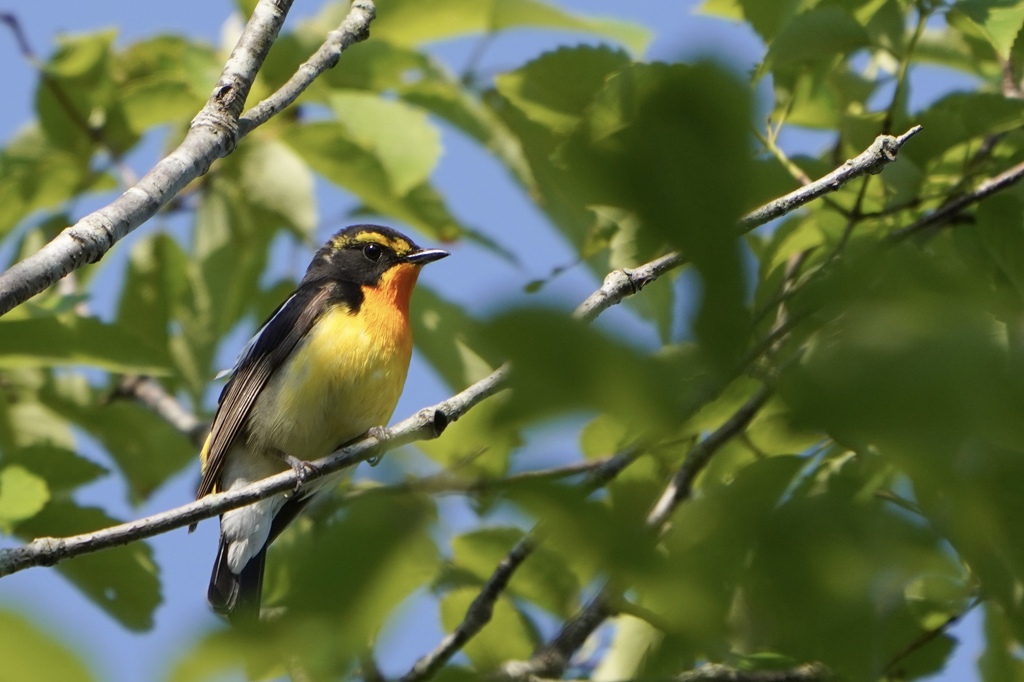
(373,251)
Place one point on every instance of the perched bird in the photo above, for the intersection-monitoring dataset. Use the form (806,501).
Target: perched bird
(326,367)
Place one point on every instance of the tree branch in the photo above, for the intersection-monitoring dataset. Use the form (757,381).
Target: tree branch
(214,133)
(477,616)
(619,284)
(681,486)
(551,659)
(425,424)
(150,394)
(952,209)
(714,672)
(872,160)
(355,28)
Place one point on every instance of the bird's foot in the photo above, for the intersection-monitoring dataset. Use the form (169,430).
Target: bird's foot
(301,467)
(381,434)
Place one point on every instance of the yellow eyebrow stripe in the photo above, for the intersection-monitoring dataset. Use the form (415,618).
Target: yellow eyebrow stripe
(398,245)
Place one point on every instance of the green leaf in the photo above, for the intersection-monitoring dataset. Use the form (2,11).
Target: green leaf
(164,79)
(507,636)
(555,89)
(478,445)
(401,137)
(145,447)
(35,175)
(48,342)
(30,654)
(691,123)
(121,580)
(1000,660)
(408,22)
(273,178)
(449,339)
(61,468)
(632,643)
(820,34)
(22,495)
(542,579)
(561,365)
(328,149)
(997,21)
(1000,228)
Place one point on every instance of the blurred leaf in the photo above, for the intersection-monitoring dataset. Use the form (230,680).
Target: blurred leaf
(708,547)
(691,122)
(478,445)
(75,91)
(408,22)
(62,469)
(506,637)
(997,21)
(560,365)
(401,137)
(588,535)
(819,34)
(632,643)
(22,495)
(123,581)
(146,448)
(555,89)
(35,174)
(149,291)
(541,579)
(1000,659)
(163,79)
(330,152)
(50,341)
(359,589)
(30,654)
(449,338)
(828,576)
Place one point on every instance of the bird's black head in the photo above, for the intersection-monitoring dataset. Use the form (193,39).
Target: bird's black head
(361,254)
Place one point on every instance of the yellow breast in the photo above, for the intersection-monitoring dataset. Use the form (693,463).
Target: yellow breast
(344,377)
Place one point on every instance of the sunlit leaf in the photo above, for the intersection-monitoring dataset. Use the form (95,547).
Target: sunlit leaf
(408,22)
(123,581)
(32,654)
(997,21)
(22,495)
(66,341)
(507,637)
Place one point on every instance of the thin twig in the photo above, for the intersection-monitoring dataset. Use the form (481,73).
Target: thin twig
(447,483)
(551,659)
(715,672)
(425,424)
(214,133)
(477,616)
(872,160)
(626,282)
(151,394)
(927,636)
(355,28)
(954,208)
(681,485)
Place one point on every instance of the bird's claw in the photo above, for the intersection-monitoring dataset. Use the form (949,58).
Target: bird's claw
(381,434)
(302,470)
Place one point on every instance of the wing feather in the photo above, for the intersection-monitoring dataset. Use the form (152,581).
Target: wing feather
(264,355)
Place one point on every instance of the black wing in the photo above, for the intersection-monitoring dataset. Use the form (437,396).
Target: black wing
(279,336)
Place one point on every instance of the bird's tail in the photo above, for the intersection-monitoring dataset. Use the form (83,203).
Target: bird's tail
(237,595)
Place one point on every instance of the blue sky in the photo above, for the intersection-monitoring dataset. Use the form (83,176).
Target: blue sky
(475,279)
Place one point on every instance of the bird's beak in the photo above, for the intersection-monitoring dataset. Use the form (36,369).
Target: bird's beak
(424,256)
